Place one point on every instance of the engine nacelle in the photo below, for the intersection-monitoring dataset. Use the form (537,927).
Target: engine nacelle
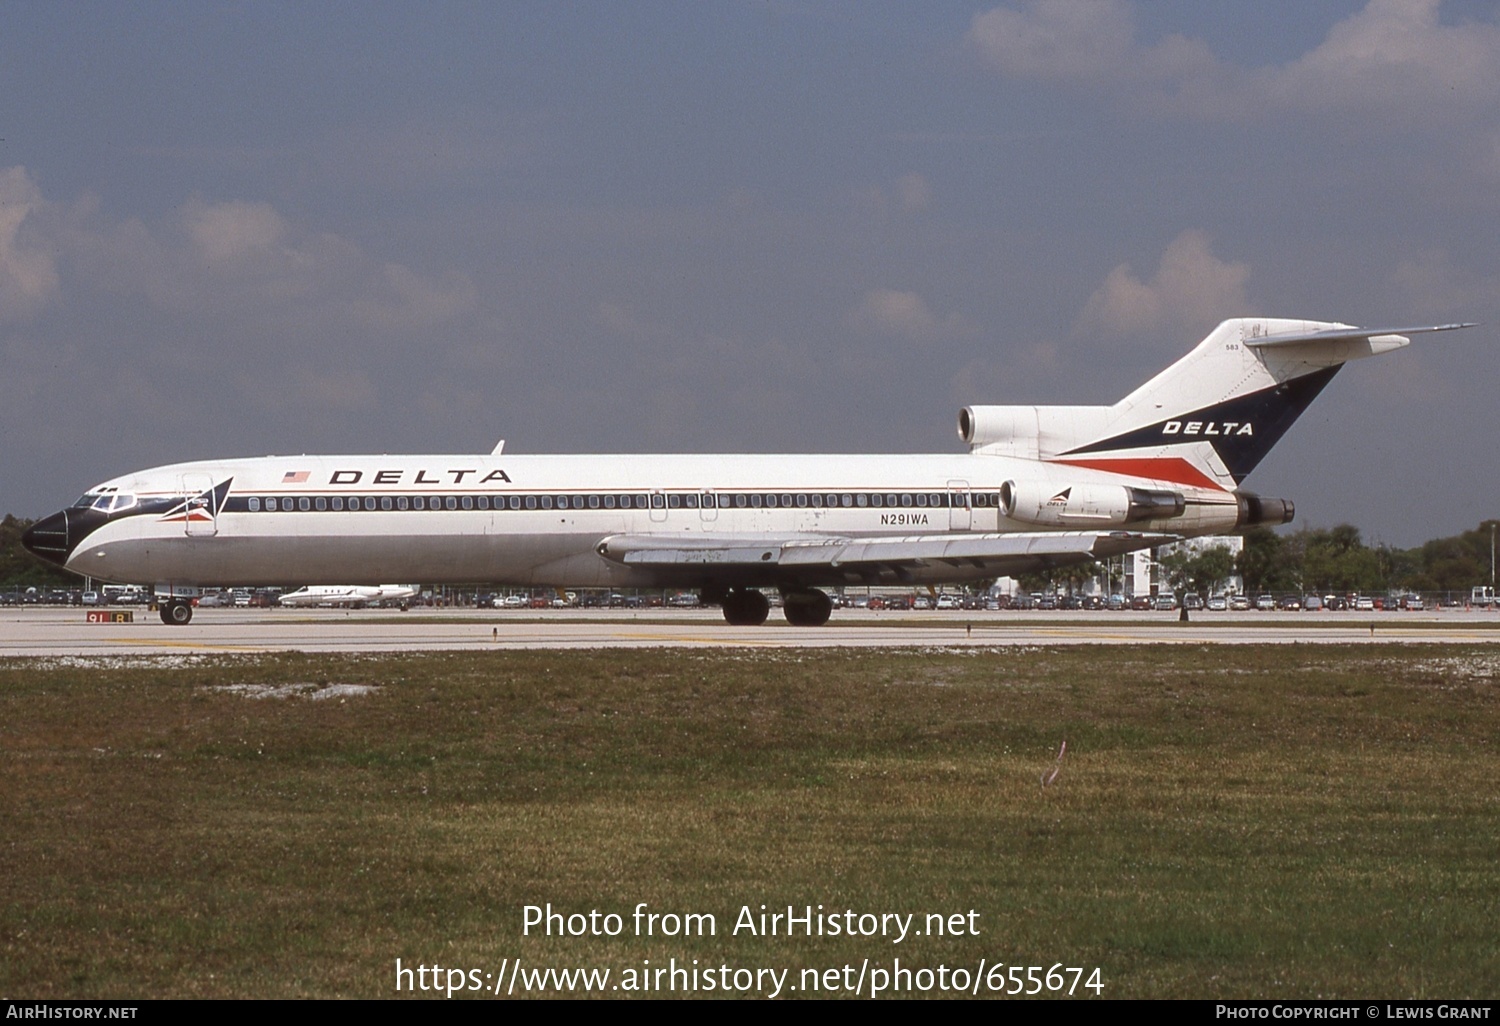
(1031,432)
(986,425)
(1086,506)
(1255,511)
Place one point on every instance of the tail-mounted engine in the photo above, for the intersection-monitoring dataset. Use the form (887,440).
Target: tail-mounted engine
(1030,432)
(1256,512)
(1085,506)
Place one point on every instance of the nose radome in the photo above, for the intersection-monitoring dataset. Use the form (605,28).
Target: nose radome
(48,538)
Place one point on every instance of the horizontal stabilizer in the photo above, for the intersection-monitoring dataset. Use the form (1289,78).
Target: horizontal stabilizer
(1344,335)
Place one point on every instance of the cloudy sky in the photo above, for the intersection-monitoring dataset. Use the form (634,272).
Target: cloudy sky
(754,226)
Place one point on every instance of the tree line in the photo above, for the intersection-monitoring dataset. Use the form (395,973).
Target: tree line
(1337,561)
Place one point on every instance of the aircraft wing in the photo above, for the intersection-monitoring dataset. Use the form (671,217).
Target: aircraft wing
(908,559)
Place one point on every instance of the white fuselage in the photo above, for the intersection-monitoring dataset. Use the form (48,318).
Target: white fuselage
(539,520)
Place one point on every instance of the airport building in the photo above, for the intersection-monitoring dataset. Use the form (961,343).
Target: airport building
(1144,574)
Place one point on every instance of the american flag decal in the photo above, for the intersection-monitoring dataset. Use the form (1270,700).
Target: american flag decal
(294,477)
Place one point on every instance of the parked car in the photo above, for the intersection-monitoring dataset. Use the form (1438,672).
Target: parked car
(1239,603)
(1217,603)
(1265,602)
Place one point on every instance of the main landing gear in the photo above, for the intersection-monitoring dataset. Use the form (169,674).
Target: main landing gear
(806,607)
(749,607)
(745,607)
(175,612)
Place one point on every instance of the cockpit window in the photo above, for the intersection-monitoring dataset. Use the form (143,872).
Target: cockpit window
(105,502)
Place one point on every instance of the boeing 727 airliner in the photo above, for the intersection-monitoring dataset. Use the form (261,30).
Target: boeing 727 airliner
(1040,486)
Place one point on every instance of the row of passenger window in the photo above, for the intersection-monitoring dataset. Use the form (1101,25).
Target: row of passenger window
(654,500)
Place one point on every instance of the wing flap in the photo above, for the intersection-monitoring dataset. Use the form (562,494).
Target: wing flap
(833,560)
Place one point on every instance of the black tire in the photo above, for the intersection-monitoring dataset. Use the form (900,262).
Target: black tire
(810,608)
(176,614)
(747,608)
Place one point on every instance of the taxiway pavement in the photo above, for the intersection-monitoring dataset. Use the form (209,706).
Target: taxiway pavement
(66,632)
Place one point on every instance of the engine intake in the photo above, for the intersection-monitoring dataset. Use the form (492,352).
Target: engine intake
(1089,505)
(1031,432)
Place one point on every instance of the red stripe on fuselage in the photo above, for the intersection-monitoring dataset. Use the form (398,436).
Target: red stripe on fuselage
(1168,468)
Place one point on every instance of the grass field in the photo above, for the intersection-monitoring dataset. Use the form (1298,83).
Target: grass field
(1287,821)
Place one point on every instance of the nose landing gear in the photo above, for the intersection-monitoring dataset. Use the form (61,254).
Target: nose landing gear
(175,612)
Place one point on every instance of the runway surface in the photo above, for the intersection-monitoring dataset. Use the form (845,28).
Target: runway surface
(65,631)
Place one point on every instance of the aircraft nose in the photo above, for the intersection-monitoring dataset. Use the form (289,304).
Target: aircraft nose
(48,538)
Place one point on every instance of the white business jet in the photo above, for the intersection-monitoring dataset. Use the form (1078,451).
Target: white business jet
(353,596)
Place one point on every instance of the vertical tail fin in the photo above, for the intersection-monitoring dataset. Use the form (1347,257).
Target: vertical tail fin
(1208,419)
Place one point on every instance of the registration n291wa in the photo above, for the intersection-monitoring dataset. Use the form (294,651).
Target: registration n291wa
(1040,486)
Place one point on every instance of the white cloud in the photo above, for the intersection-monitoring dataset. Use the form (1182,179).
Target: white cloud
(1396,55)
(909,194)
(1191,290)
(1092,42)
(1056,39)
(905,315)
(247,261)
(396,297)
(232,231)
(28,272)
(1392,59)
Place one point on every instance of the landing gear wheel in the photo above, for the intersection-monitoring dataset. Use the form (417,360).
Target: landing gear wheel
(746,608)
(175,614)
(809,608)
